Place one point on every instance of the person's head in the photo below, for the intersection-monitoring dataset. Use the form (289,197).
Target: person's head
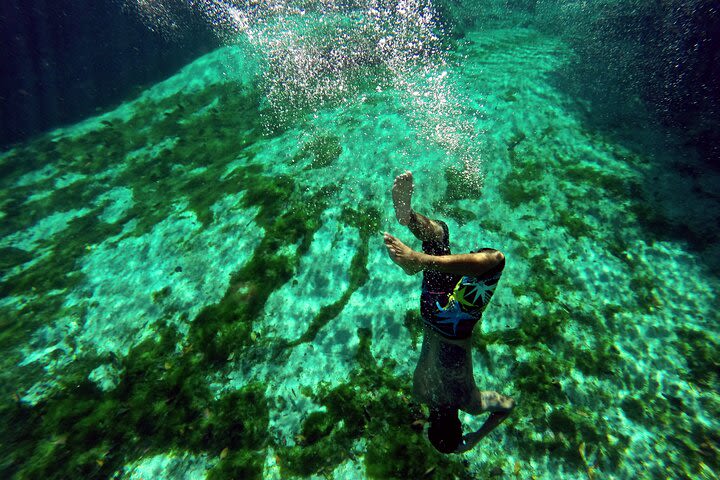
(445,432)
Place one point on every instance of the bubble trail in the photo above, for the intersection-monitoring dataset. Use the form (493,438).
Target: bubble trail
(315,54)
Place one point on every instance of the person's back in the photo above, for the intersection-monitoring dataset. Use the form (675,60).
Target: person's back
(456,290)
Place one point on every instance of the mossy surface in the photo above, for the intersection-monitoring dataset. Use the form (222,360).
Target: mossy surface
(413,323)
(575,226)
(376,405)
(461,185)
(461,215)
(225,327)
(162,403)
(702,354)
(558,427)
(194,134)
(322,151)
(195,150)
(366,220)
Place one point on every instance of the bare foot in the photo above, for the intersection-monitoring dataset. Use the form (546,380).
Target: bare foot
(401,254)
(496,402)
(402,191)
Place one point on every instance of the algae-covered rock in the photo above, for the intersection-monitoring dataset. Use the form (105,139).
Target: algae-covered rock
(322,151)
(462,184)
(376,405)
(12,257)
(700,351)
(162,402)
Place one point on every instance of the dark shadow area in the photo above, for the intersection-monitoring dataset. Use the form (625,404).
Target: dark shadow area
(64,60)
(644,75)
(647,77)
(663,57)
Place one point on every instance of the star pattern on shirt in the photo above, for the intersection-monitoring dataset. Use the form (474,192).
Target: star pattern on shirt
(459,296)
(452,314)
(481,290)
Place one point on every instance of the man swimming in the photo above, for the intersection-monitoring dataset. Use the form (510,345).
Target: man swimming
(455,291)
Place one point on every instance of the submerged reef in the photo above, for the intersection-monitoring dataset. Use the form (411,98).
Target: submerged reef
(160,399)
(375,405)
(600,330)
(322,151)
(161,403)
(551,326)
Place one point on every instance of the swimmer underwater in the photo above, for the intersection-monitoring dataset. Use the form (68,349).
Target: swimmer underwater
(455,291)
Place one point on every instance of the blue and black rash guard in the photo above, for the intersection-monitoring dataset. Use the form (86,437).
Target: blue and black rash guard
(454,312)
(452,304)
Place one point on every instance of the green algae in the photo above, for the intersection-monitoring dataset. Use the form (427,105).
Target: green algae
(11,257)
(700,351)
(634,408)
(548,278)
(322,151)
(516,193)
(287,216)
(161,294)
(57,271)
(515,140)
(413,323)
(460,215)
(179,401)
(376,405)
(575,226)
(316,426)
(598,362)
(604,183)
(539,381)
(697,444)
(460,185)
(643,285)
(566,427)
(162,403)
(225,327)
(367,220)
(521,185)
(491,225)
(154,180)
(558,426)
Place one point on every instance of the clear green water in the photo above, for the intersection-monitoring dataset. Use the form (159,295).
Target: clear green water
(194,284)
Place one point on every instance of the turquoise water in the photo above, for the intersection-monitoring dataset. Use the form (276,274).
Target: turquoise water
(194,283)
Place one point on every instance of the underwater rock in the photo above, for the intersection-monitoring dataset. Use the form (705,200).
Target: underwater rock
(106,377)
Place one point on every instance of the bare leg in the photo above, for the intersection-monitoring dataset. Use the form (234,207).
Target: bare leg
(422,227)
(495,419)
(425,229)
(500,407)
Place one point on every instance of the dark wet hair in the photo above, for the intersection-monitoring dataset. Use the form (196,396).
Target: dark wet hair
(445,432)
